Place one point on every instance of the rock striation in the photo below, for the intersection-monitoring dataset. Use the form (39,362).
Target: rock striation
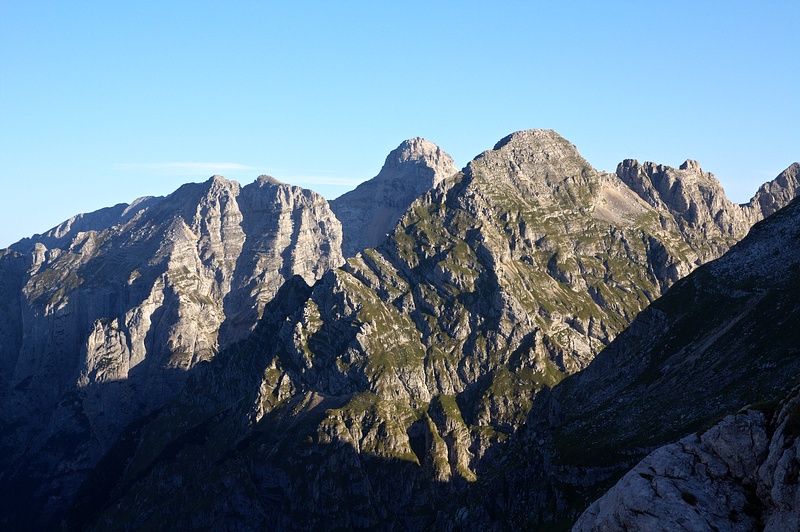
(106,314)
(427,371)
(371,211)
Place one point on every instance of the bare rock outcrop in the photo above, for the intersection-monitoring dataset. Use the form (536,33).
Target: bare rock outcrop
(741,474)
(691,201)
(775,194)
(109,312)
(371,211)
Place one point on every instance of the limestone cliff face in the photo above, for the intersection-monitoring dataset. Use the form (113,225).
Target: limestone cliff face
(690,202)
(108,312)
(372,210)
(396,386)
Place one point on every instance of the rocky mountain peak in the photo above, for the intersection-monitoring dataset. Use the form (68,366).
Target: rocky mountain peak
(370,211)
(659,183)
(418,159)
(217,183)
(694,197)
(698,204)
(776,193)
(691,164)
(536,140)
(134,297)
(535,153)
(535,163)
(190,196)
(416,148)
(407,372)
(268,180)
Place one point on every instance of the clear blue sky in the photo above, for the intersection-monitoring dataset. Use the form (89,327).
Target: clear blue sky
(103,102)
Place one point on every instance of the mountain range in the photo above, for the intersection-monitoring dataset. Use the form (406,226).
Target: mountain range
(487,348)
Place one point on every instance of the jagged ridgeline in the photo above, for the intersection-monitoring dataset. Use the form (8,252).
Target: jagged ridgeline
(380,393)
(104,316)
(371,391)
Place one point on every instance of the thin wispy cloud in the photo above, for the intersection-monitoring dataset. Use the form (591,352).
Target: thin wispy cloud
(322,180)
(184,168)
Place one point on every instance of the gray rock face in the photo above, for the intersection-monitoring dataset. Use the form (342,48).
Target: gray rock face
(692,201)
(735,476)
(395,383)
(108,312)
(696,484)
(777,487)
(371,211)
(778,192)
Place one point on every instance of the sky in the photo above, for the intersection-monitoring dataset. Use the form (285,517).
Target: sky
(103,102)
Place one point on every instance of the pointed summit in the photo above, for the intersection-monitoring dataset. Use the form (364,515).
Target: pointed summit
(370,211)
(534,153)
(423,161)
(535,139)
(777,193)
(268,180)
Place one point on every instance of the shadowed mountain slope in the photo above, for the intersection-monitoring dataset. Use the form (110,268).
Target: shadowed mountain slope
(105,315)
(382,393)
(721,340)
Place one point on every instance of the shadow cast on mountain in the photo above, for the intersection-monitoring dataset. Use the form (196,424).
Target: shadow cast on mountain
(723,339)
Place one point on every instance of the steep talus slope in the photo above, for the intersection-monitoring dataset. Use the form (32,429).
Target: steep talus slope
(109,311)
(371,211)
(381,393)
(721,339)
